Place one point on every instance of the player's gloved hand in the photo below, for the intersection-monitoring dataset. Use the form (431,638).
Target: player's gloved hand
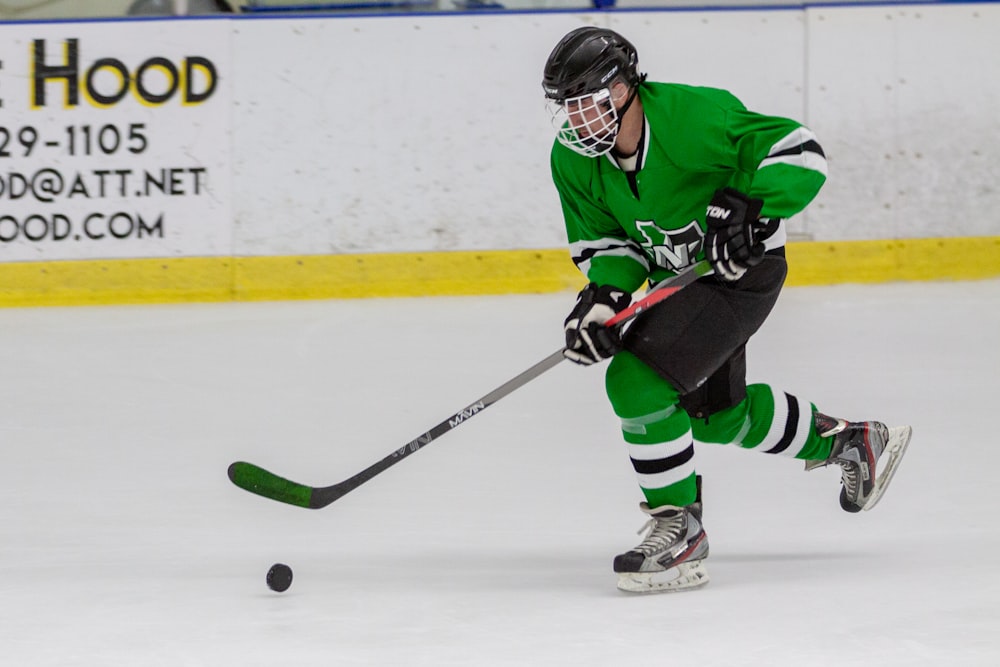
(588,341)
(732,242)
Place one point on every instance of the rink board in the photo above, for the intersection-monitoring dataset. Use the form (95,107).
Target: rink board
(451,273)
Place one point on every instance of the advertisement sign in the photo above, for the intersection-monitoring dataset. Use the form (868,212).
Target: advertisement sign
(114,140)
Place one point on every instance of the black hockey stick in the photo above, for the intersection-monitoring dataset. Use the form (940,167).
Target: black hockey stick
(264,483)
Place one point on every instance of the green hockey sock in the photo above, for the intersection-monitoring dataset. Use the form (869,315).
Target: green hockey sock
(657,431)
(769,421)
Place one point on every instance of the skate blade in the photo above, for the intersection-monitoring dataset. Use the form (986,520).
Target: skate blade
(899,439)
(684,577)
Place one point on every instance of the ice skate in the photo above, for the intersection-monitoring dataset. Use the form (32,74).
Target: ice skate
(868,454)
(671,557)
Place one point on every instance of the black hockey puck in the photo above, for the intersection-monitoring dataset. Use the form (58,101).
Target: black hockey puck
(279,577)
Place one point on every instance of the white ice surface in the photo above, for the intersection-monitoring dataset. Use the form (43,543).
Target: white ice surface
(123,543)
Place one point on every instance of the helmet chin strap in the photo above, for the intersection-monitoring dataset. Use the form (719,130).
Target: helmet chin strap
(621,112)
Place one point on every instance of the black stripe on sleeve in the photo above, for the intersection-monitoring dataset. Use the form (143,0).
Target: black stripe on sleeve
(811,146)
(590,253)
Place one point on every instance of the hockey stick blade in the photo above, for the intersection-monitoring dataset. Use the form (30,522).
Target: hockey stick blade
(264,483)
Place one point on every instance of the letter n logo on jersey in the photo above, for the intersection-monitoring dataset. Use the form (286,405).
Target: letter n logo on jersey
(675,249)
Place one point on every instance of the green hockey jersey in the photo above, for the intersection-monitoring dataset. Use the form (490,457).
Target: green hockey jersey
(625,227)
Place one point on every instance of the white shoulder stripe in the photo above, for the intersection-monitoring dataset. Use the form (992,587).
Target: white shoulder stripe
(794,149)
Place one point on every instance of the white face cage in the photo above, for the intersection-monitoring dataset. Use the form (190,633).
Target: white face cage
(588,124)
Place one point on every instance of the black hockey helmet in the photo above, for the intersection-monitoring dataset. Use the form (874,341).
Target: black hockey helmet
(588,59)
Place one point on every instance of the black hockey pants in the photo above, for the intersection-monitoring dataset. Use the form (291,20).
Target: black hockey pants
(697,338)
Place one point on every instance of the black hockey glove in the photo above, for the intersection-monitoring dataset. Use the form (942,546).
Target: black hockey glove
(732,242)
(588,341)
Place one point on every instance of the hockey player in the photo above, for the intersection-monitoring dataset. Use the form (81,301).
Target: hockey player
(653,177)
